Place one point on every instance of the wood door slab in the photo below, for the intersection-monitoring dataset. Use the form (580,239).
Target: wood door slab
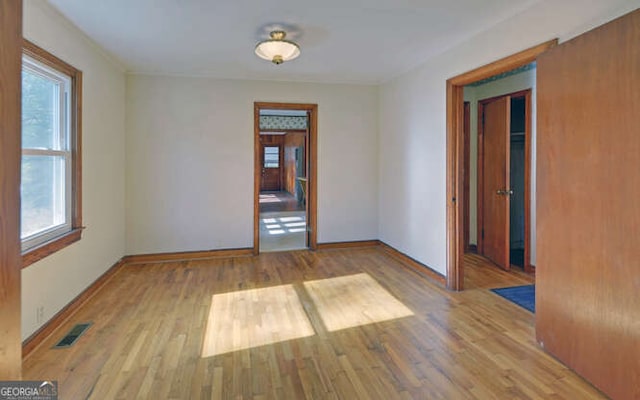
(495,207)
(588,213)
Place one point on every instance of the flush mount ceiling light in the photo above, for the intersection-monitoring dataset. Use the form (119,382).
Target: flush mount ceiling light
(277,50)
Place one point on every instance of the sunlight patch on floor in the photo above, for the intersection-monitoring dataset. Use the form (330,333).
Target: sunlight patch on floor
(281,231)
(256,317)
(269,198)
(354,300)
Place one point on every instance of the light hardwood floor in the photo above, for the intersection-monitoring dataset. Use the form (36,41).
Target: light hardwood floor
(168,331)
(479,273)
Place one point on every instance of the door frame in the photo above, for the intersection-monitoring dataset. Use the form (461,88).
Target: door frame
(455,152)
(526,94)
(312,169)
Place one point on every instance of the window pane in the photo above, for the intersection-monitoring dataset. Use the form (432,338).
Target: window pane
(271,157)
(43,193)
(40,115)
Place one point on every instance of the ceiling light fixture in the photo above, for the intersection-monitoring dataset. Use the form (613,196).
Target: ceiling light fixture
(277,50)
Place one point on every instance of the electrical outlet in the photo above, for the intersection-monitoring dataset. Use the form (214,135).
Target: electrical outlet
(40,314)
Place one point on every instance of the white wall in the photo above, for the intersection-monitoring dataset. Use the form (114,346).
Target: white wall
(54,281)
(190,161)
(189,155)
(521,81)
(412,167)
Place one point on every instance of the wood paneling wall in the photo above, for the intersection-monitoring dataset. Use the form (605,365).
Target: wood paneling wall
(10,100)
(292,140)
(588,272)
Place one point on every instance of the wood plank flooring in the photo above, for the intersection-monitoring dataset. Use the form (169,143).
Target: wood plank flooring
(480,273)
(150,323)
(279,202)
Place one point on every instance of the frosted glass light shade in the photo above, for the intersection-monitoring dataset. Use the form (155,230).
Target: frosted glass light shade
(276,49)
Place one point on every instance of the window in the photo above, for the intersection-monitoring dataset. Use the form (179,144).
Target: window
(271,157)
(50,181)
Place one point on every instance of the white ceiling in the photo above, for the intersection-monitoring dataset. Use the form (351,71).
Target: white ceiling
(351,41)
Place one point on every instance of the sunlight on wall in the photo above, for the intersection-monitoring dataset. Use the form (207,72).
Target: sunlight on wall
(256,317)
(353,300)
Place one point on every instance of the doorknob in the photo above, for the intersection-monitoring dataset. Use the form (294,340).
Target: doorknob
(504,192)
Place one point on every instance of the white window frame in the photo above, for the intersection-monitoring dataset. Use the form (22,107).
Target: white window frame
(61,148)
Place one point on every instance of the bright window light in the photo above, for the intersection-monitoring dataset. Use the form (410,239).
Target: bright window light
(276,232)
(269,220)
(47,154)
(271,157)
(273,226)
(296,230)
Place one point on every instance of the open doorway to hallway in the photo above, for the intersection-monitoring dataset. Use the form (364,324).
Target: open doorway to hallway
(285,182)
(283,216)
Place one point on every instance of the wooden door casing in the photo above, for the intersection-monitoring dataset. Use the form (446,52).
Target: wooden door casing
(588,218)
(455,151)
(10,123)
(494,222)
(311,166)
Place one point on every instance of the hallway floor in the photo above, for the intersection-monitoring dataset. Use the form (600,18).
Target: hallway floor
(285,230)
(279,201)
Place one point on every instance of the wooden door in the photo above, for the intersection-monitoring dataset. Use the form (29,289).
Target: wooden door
(495,181)
(271,161)
(10,260)
(588,212)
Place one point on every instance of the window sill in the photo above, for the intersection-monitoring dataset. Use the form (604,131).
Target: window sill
(38,253)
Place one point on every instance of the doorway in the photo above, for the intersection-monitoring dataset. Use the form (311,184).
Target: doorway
(456,148)
(284,176)
(503,180)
